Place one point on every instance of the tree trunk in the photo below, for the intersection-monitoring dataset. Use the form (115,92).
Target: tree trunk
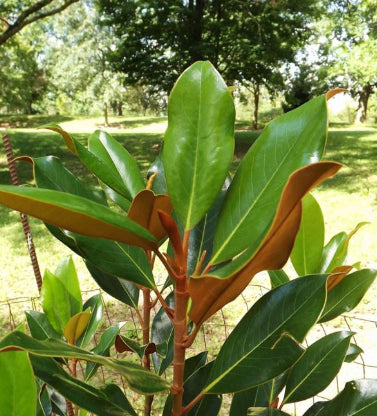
(106,114)
(195,29)
(362,109)
(120,108)
(256,95)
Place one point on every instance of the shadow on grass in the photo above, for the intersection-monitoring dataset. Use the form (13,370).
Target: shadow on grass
(130,123)
(30,121)
(357,151)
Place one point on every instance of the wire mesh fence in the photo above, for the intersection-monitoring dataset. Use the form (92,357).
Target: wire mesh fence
(212,335)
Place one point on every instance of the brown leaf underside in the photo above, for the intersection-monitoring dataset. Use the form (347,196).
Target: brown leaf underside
(210,294)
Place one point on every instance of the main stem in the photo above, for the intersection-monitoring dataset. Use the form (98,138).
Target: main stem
(181,297)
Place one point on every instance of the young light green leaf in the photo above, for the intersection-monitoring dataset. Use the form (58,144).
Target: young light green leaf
(66,273)
(317,367)
(307,251)
(267,332)
(55,302)
(199,141)
(289,142)
(18,393)
(95,306)
(277,278)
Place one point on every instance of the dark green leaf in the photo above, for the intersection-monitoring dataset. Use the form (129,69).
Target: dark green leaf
(346,295)
(289,142)
(122,290)
(49,173)
(199,141)
(352,353)
(117,259)
(83,395)
(162,331)
(136,376)
(358,398)
(202,235)
(277,278)
(44,407)
(39,326)
(18,392)
(117,161)
(103,348)
(260,396)
(193,364)
(94,304)
(307,251)
(265,411)
(317,367)
(266,334)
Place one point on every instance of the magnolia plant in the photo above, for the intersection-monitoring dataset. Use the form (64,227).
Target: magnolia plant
(213,234)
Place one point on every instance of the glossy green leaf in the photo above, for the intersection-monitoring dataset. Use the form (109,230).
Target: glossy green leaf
(193,364)
(202,235)
(117,259)
(347,294)
(39,326)
(317,367)
(267,333)
(123,343)
(159,182)
(55,302)
(265,411)
(307,251)
(199,141)
(162,331)
(116,395)
(352,353)
(75,213)
(95,400)
(277,278)
(66,273)
(44,406)
(118,161)
(95,306)
(120,200)
(358,398)
(335,251)
(289,142)
(103,348)
(18,393)
(137,377)
(122,290)
(260,396)
(50,173)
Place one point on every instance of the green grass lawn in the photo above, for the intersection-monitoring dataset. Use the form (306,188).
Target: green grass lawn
(347,199)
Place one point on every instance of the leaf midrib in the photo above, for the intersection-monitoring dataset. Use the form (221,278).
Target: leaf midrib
(239,225)
(218,379)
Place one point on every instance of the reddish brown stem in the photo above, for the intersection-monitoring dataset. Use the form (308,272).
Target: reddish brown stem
(197,399)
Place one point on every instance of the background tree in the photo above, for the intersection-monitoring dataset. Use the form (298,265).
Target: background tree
(352,37)
(247,41)
(15,15)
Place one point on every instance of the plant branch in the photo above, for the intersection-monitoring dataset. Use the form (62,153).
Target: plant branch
(169,311)
(166,264)
(24,19)
(146,327)
(197,399)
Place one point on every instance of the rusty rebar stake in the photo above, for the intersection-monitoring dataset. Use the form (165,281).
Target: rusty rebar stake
(24,219)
